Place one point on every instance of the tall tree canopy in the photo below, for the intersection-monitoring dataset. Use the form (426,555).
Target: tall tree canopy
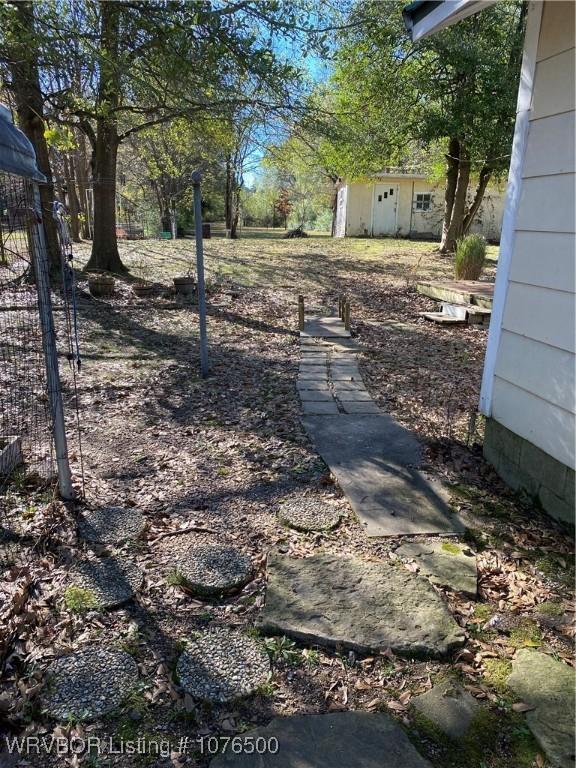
(456,89)
(114,69)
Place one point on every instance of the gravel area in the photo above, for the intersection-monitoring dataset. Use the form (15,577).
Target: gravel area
(212,569)
(305,513)
(111,525)
(111,581)
(88,684)
(222,665)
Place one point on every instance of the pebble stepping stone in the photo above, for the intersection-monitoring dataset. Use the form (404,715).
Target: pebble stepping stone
(450,707)
(309,514)
(222,665)
(361,408)
(214,569)
(88,684)
(445,563)
(111,525)
(366,606)
(548,686)
(335,740)
(111,581)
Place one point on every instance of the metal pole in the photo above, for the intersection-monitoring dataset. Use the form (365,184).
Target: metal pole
(40,257)
(196,179)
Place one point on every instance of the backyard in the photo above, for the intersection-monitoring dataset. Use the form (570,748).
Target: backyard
(210,460)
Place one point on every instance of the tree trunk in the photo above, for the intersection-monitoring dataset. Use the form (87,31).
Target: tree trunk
(73,206)
(452,159)
(485,175)
(456,226)
(228,196)
(81,172)
(105,254)
(30,110)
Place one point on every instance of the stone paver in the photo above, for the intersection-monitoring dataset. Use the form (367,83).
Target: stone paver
(324,327)
(214,569)
(335,740)
(316,395)
(445,563)
(87,684)
(320,409)
(549,686)
(374,460)
(362,605)
(111,525)
(353,396)
(222,665)
(111,581)
(307,513)
(362,407)
(450,707)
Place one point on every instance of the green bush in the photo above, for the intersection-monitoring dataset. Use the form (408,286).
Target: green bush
(470,256)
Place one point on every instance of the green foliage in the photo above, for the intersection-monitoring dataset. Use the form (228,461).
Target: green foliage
(282,649)
(450,548)
(469,258)
(79,600)
(497,673)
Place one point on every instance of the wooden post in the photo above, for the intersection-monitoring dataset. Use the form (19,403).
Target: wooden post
(340,306)
(347,315)
(301,312)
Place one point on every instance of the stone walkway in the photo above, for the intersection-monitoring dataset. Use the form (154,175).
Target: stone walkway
(374,459)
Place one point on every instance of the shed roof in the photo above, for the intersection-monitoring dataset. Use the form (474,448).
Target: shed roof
(16,151)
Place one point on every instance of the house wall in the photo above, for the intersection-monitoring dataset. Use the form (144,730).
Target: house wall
(533,387)
(413,223)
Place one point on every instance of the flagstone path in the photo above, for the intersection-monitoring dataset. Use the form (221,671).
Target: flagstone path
(336,740)
(375,460)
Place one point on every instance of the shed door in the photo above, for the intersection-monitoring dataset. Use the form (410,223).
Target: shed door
(385,203)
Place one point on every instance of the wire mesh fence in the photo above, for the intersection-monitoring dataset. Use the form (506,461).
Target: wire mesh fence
(25,417)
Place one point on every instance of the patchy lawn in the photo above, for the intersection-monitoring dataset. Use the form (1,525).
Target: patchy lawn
(220,455)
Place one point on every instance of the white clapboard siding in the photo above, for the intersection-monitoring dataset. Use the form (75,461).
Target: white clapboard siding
(547,204)
(550,147)
(554,85)
(541,314)
(524,360)
(549,427)
(545,259)
(534,388)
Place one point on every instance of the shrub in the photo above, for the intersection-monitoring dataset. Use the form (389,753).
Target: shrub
(469,259)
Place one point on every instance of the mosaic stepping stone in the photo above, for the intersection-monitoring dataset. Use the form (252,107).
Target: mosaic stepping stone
(111,525)
(213,569)
(222,665)
(111,581)
(88,684)
(309,514)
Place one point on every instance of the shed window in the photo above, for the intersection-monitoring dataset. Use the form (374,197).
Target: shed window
(423,202)
(391,192)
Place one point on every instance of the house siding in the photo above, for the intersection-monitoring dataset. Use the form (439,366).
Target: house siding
(534,388)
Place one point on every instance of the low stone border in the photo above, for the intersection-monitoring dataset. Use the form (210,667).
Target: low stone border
(222,665)
(87,684)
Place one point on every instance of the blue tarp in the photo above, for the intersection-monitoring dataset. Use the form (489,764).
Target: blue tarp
(16,152)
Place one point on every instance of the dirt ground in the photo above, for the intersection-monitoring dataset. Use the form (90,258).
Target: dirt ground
(222,453)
